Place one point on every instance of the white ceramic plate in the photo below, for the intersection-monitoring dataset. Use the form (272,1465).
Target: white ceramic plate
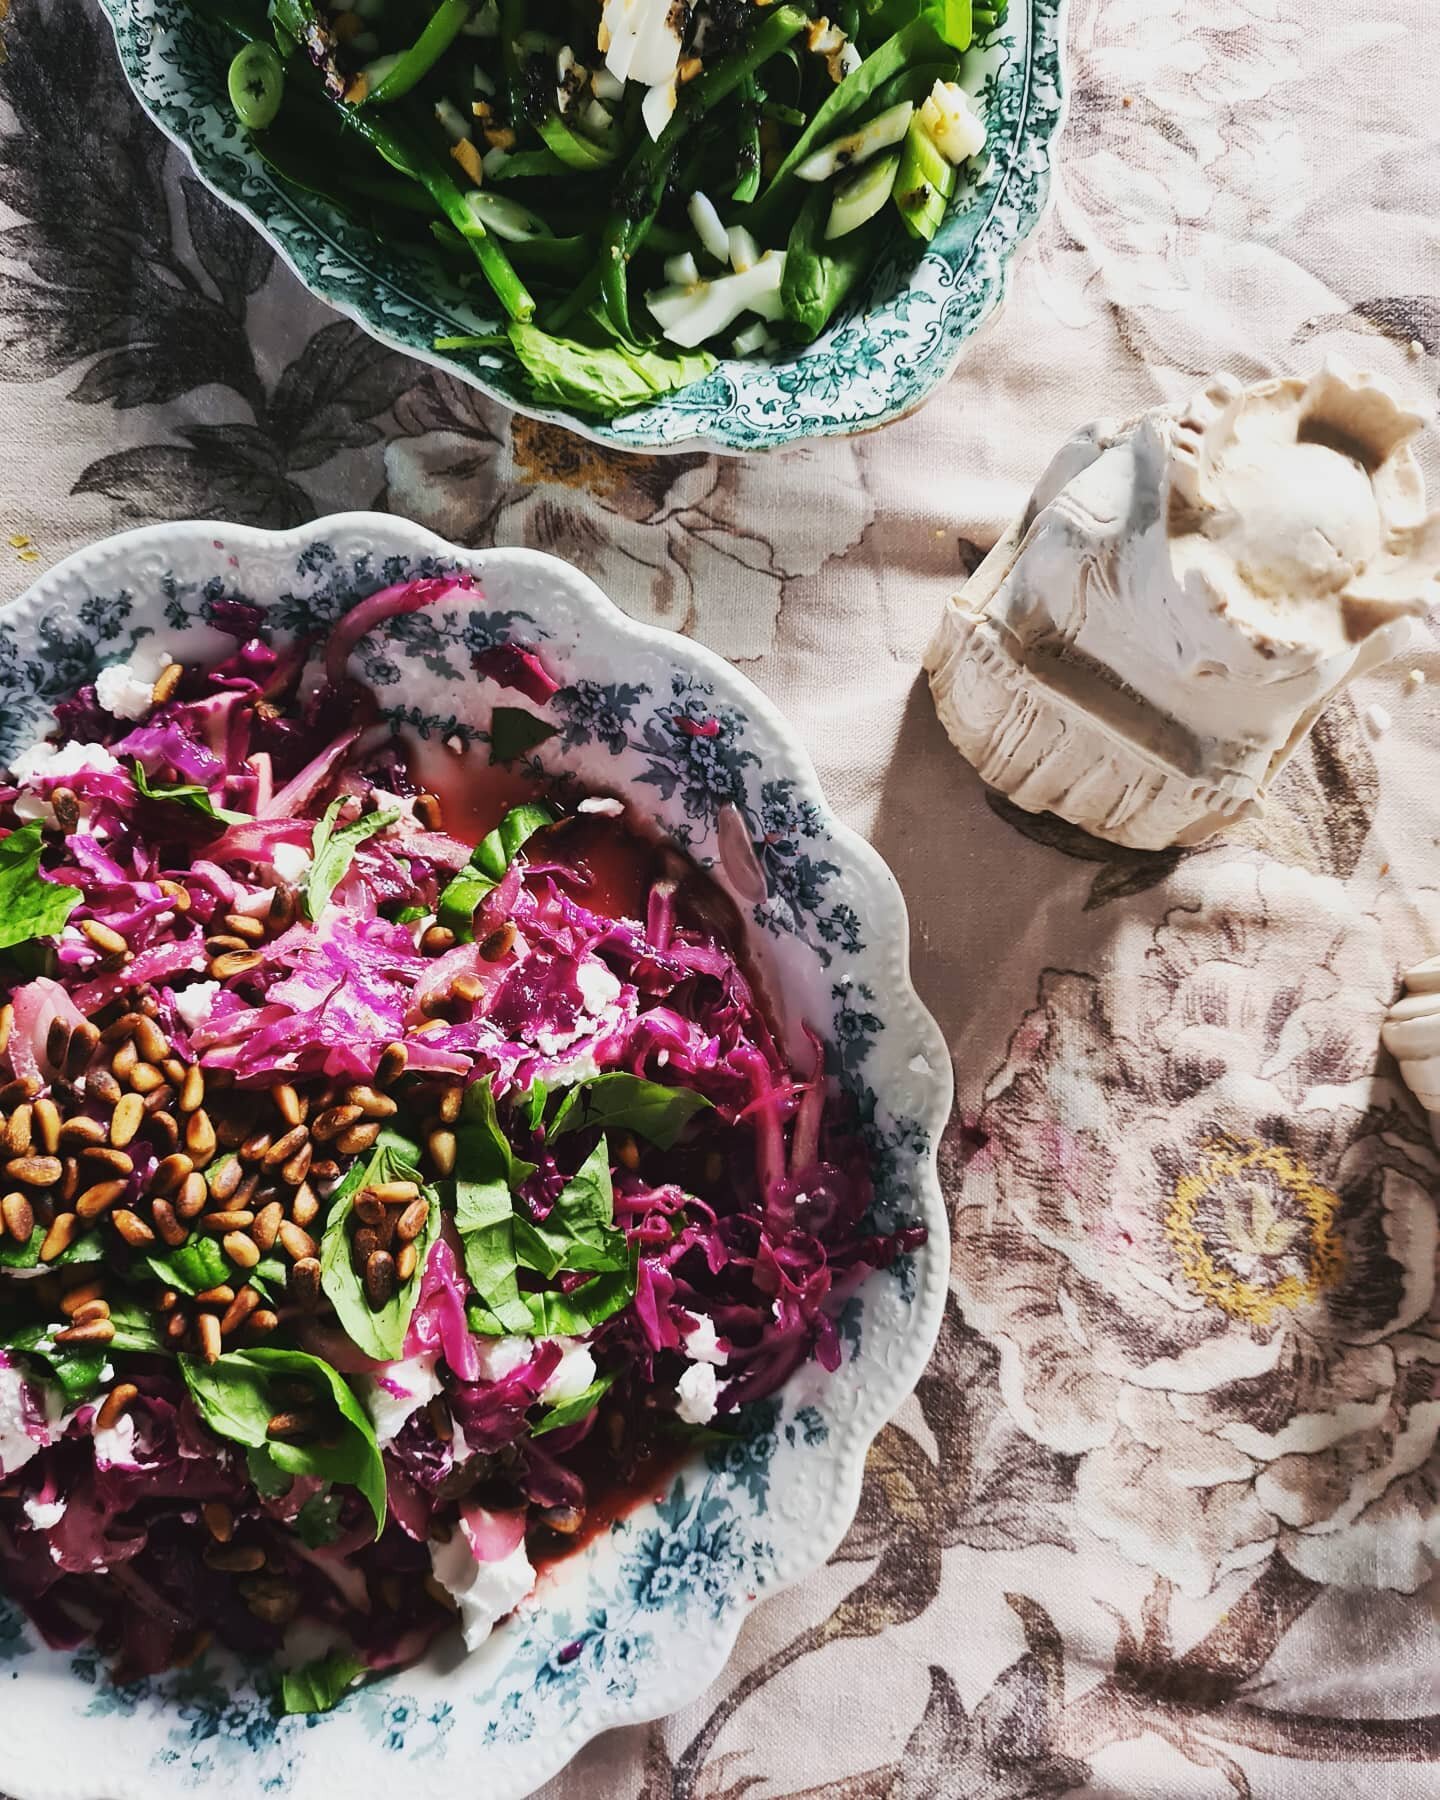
(643,1619)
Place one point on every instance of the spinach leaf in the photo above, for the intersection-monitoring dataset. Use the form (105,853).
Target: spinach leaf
(320,1685)
(580,1233)
(622,1102)
(189,794)
(571,1412)
(606,379)
(489,860)
(379,1334)
(22,1256)
(513,731)
(237,1396)
(332,849)
(30,905)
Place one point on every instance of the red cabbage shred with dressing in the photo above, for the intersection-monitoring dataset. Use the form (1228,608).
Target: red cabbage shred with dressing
(604,1210)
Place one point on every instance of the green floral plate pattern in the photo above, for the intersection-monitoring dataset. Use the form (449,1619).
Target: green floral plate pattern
(875,363)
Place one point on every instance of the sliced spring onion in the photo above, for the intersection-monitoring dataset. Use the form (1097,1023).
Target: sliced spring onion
(853,147)
(862,196)
(506,218)
(256,82)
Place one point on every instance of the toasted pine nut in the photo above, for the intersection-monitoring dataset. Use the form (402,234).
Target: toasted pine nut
(132,1228)
(287,1102)
(441,1145)
(99,1198)
(207,1332)
(126,1120)
(116,1403)
(240,1249)
(59,1237)
(296,1243)
(46,1122)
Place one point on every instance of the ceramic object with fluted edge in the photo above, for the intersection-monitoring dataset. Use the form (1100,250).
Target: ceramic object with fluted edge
(879,359)
(643,1618)
(1157,633)
(1411,1033)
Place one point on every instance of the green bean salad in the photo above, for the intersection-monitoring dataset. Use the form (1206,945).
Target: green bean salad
(639,186)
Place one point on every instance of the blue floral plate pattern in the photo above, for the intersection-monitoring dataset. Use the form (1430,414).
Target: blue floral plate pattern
(640,1621)
(878,361)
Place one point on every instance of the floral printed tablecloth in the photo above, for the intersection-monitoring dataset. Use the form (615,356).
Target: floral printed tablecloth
(1161,1519)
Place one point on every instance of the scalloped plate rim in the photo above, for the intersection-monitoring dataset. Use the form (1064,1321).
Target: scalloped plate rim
(892,1386)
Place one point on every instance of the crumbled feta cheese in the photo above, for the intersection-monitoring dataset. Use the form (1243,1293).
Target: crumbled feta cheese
(388,802)
(193,1003)
(603,805)
(576,1372)
(44,1513)
(486,1592)
(115,1444)
(500,1357)
(702,1345)
(46,762)
(291,862)
(126,688)
(394,1394)
(697,1389)
(599,986)
(29,807)
(17,1444)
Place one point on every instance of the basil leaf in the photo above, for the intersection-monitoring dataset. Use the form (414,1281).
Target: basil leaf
(489,860)
(618,1101)
(533,1103)
(271,1276)
(235,1397)
(87,1249)
(564,1315)
(22,1256)
(189,794)
(487,1171)
(514,730)
(332,850)
(379,1334)
(30,905)
(268,1480)
(318,1520)
(320,1685)
(571,1412)
(580,1232)
(78,1370)
(194,1267)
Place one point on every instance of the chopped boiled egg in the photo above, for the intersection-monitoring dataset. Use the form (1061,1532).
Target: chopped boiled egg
(956,128)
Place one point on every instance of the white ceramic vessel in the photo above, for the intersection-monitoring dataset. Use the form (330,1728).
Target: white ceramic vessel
(1153,639)
(643,1619)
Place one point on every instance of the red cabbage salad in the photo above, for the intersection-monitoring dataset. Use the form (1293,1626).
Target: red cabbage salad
(376,1202)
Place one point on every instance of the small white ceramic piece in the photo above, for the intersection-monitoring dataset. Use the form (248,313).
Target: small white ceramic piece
(1155,636)
(1411,1033)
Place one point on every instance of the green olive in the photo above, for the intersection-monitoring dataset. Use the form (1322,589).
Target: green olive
(256,83)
